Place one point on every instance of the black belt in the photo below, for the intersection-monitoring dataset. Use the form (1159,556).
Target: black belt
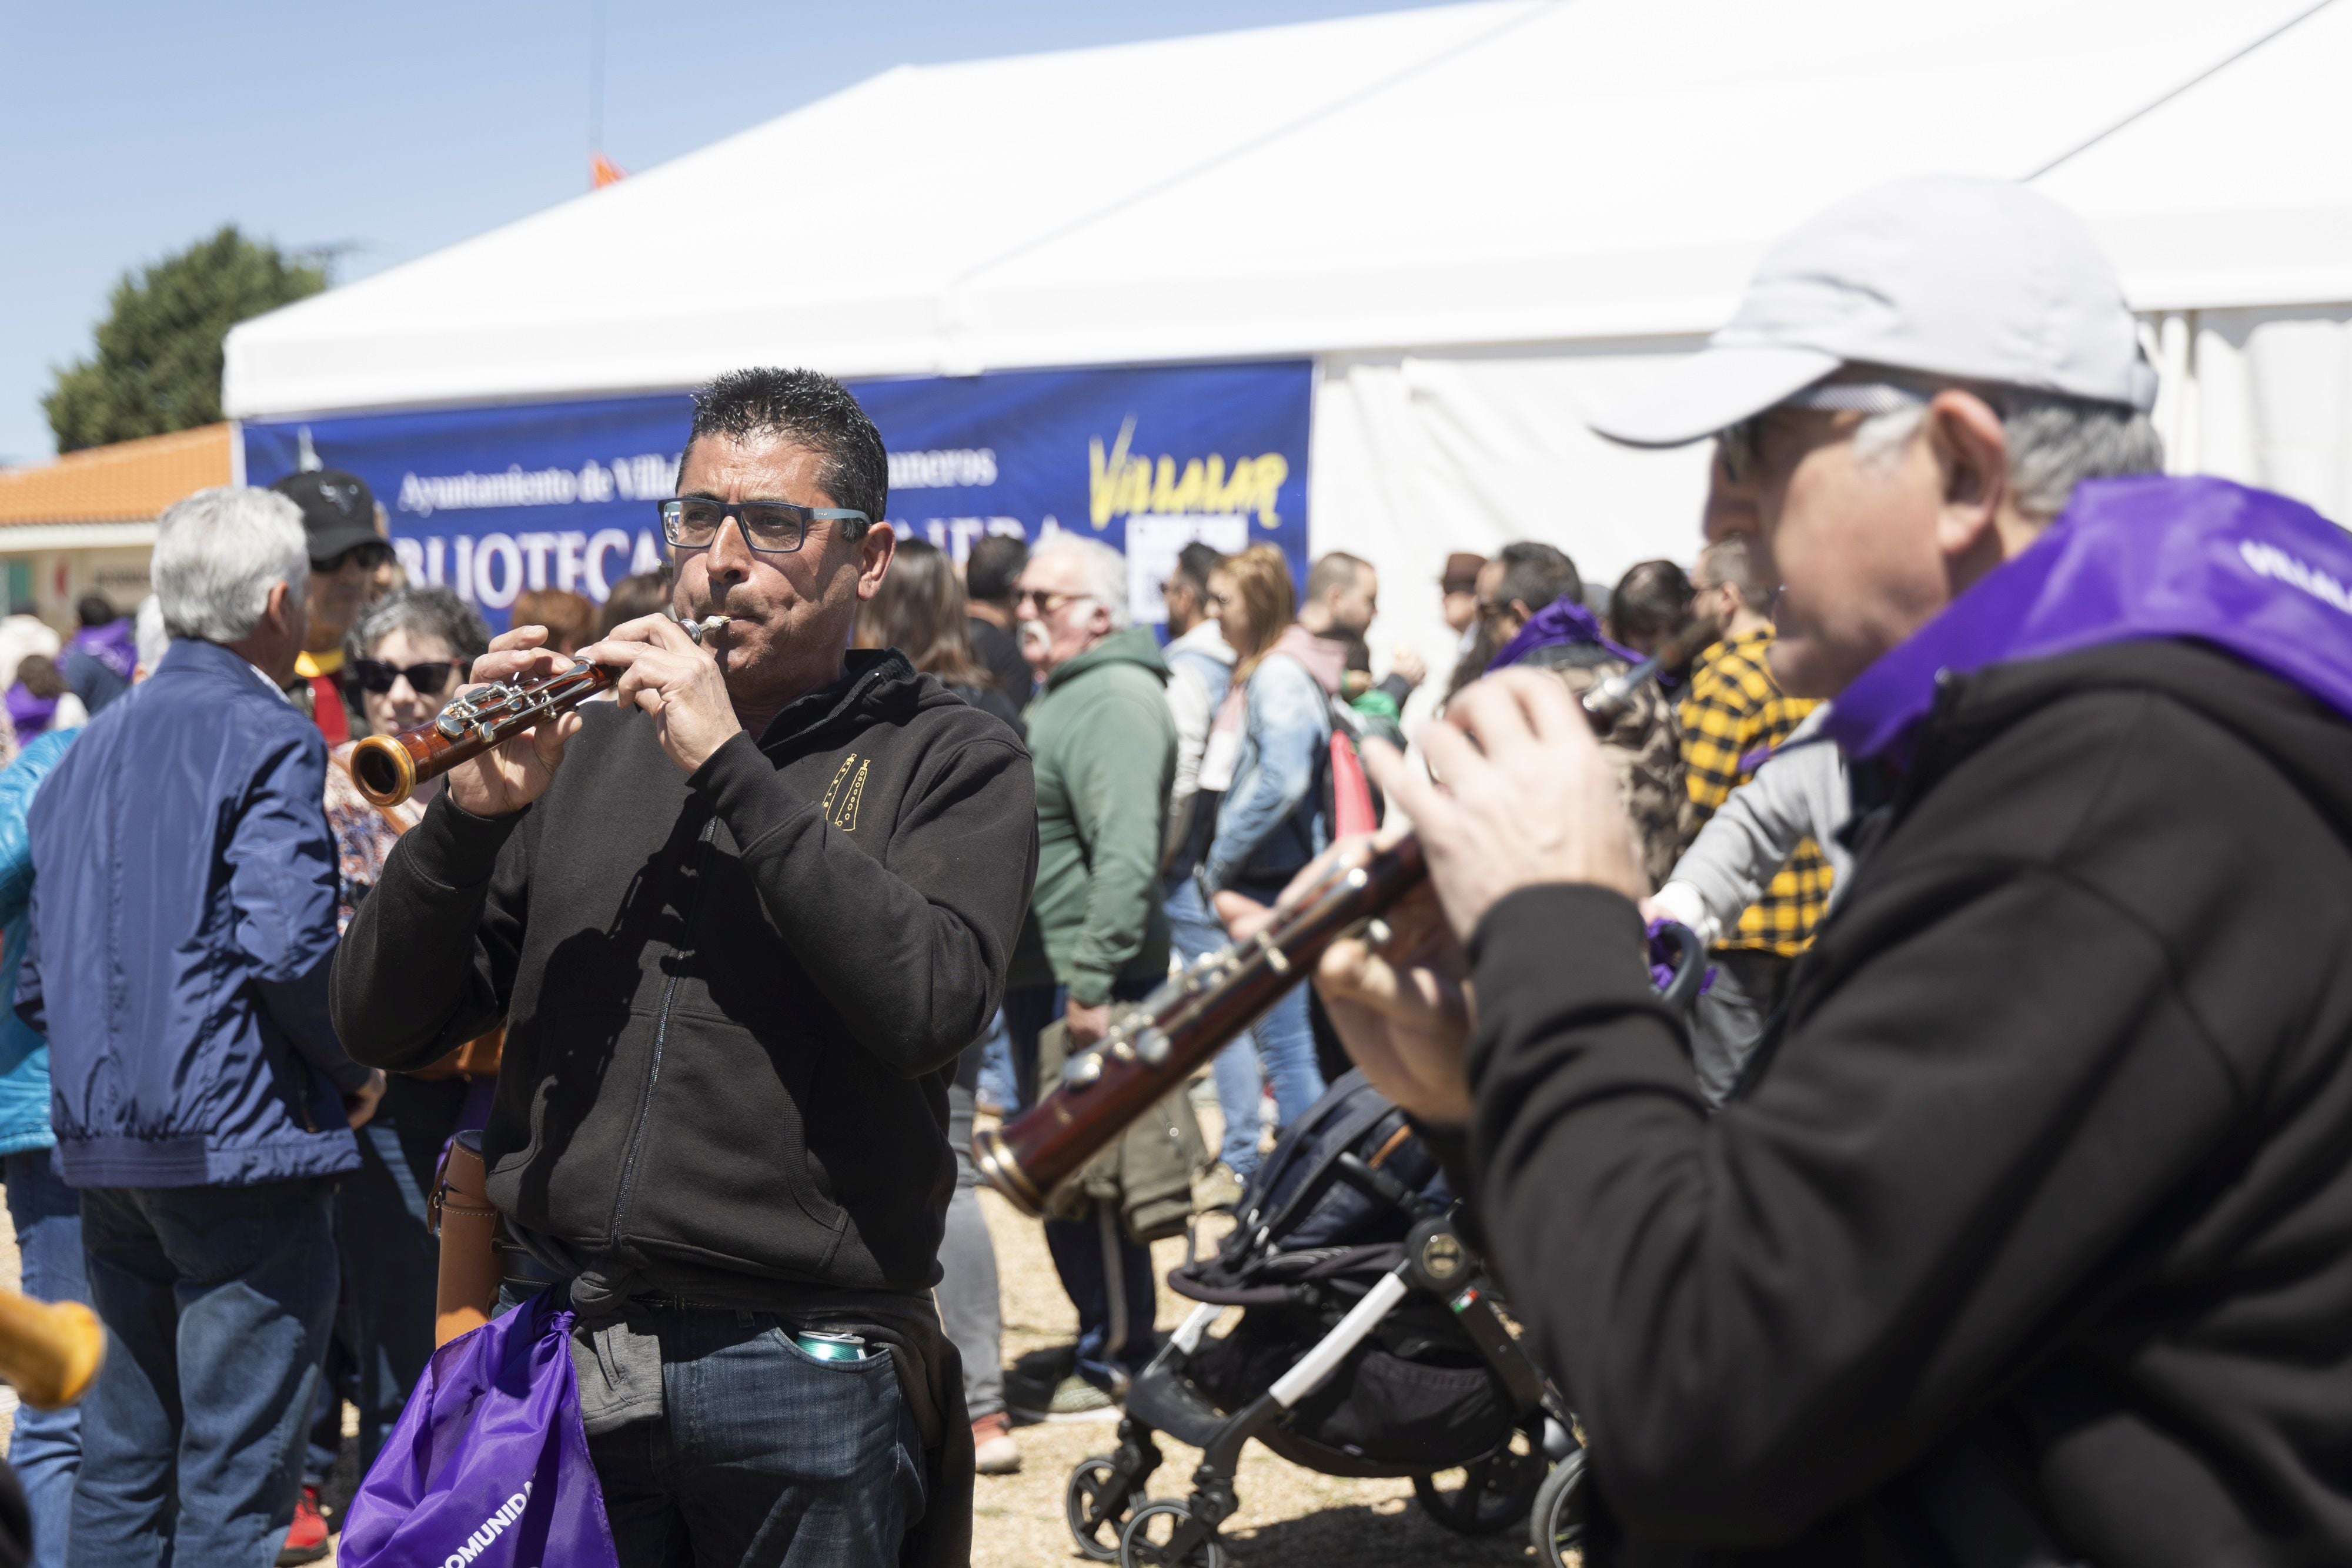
(523,1271)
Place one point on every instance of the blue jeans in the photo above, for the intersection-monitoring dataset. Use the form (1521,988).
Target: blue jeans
(1285,1045)
(46,1450)
(1194,931)
(763,1456)
(218,1301)
(390,1268)
(1282,1043)
(996,1078)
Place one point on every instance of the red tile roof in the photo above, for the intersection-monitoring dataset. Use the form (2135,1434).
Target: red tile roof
(129,481)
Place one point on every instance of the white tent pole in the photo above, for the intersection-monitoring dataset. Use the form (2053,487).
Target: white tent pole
(2177,411)
(2192,401)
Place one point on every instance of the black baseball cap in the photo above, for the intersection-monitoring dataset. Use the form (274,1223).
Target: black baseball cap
(338,512)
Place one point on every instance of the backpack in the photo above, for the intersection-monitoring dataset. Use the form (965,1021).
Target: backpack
(1352,1117)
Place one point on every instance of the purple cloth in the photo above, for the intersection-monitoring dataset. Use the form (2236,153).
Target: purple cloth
(2252,573)
(488,1466)
(1560,622)
(27,714)
(111,645)
(473,1115)
(1661,955)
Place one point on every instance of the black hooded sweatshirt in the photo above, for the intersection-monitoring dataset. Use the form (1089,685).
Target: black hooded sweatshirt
(734,1000)
(2033,1216)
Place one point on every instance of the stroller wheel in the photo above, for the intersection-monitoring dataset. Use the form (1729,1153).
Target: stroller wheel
(1164,1533)
(1558,1522)
(1495,1493)
(1097,1503)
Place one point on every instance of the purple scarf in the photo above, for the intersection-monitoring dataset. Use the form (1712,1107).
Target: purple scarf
(29,716)
(1563,620)
(488,1466)
(111,645)
(2252,573)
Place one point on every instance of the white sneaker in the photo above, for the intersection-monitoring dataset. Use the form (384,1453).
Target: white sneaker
(995,1453)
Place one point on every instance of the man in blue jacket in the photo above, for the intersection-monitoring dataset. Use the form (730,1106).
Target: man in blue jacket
(183,922)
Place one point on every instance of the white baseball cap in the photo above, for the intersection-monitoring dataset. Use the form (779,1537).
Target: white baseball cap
(1980,280)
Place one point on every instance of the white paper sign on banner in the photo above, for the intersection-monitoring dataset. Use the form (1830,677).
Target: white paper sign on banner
(1154,541)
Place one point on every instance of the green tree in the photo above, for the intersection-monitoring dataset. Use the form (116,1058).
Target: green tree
(158,365)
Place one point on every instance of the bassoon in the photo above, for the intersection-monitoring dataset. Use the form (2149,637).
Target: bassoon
(1158,1044)
(388,768)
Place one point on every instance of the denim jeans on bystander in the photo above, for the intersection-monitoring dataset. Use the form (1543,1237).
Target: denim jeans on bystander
(217,1302)
(46,1448)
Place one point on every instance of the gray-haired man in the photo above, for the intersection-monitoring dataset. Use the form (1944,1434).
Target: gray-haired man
(2027,1238)
(1105,747)
(182,923)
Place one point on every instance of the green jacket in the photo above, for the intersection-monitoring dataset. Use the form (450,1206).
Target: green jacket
(1103,745)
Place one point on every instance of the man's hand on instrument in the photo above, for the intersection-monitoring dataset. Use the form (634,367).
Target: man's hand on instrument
(1528,798)
(1401,1007)
(674,679)
(514,773)
(1084,1025)
(1242,917)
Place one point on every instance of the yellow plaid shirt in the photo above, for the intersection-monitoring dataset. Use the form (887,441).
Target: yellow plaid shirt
(1736,710)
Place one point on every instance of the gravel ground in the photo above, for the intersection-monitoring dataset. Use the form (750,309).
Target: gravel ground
(1289,1515)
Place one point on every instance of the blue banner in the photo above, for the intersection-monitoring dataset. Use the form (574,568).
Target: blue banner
(492,501)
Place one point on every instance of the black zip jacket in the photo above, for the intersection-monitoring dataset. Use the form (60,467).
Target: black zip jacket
(734,1000)
(2035,1215)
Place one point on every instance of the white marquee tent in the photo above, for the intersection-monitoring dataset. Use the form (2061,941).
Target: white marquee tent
(1476,219)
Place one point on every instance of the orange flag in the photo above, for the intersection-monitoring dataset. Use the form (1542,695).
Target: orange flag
(604,172)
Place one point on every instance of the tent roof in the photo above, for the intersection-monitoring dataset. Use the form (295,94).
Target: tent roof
(1519,171)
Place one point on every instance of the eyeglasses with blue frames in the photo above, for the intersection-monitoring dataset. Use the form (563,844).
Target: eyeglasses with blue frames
(772,527)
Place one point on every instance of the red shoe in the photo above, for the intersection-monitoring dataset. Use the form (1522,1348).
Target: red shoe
(305,1540)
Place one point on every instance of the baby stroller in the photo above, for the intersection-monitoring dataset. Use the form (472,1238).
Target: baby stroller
(1369,1346)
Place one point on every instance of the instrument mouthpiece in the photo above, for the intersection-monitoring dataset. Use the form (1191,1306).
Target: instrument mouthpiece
(702,629)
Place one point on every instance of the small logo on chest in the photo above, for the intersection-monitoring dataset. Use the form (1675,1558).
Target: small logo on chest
(840,804)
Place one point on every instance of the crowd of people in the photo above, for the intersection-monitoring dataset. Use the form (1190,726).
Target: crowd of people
(1178,788)
(1990,1206)
(366,655)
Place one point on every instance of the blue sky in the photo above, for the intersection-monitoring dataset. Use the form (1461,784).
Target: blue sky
(127,131)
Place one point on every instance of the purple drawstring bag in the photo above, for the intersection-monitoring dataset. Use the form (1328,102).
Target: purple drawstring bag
(488,1466)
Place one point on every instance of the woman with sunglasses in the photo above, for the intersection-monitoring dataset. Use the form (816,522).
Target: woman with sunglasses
(404,661)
